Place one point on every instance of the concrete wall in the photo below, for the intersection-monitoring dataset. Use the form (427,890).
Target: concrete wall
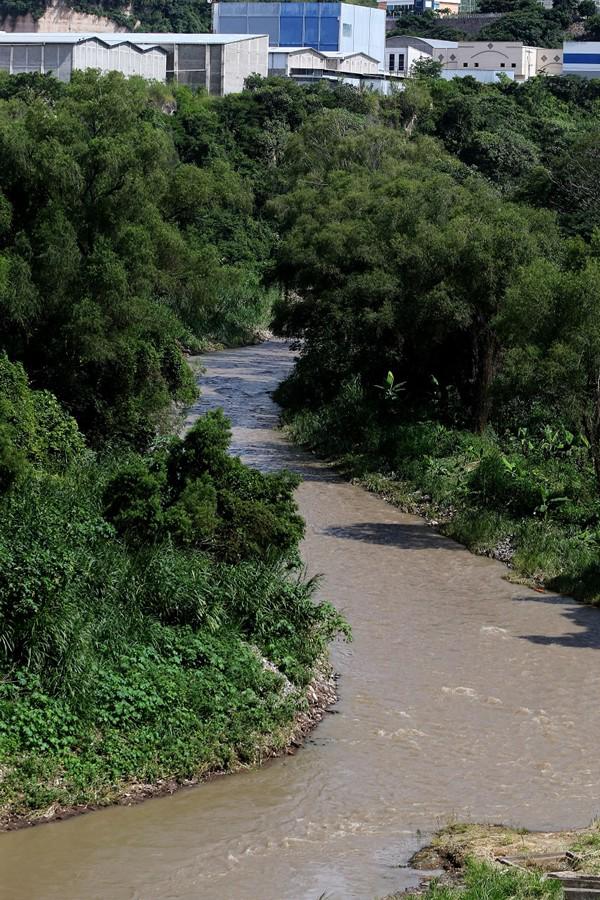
(472,23)
(492,56)
(487,76)
(244,58)
(549,62)
(399,65)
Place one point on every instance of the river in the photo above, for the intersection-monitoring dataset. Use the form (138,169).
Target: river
(462,696)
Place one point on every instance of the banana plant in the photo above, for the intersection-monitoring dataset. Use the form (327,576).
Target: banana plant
(391,389)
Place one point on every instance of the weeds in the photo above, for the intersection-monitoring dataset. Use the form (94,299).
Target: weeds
(529,499)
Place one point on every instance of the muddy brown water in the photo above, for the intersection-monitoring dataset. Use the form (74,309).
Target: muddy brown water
(461,696)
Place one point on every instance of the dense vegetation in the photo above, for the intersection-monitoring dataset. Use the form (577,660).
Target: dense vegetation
(451,241)
(446,235)
(515,20)
(139,598)
(154,620)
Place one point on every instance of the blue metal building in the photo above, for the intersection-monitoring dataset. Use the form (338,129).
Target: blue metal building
(581,58)
(339,27)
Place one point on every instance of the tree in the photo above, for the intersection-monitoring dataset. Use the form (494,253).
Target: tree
(592,28)
(531,24)
(425,295)
(426,68)
(552,322)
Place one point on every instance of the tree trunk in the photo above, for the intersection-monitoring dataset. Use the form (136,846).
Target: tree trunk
(591,424)
(484,370)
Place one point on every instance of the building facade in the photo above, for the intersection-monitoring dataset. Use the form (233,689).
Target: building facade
(510,57)
(298,61)
(61,54)
(482,60)
(328,27)
(403,51)
(218,63)
(581,58)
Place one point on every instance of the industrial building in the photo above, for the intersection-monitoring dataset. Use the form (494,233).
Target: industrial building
(306,66)
(403,51)
(60,54)
(327,27)
(482,60)
(581,58)
(218,63)
(395,8)
(298,61)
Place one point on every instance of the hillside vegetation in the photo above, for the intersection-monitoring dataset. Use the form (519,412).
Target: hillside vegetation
(441,260)
(143,15)
(438,254)
(155,623)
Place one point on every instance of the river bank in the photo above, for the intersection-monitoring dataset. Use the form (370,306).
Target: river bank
(501,862)
(534,508)
(312,705)
(460,696)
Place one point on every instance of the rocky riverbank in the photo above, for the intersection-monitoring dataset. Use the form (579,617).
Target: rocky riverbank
(467,861)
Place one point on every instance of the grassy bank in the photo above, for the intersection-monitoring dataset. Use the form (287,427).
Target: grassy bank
(155,623)
(469,855)
(529,500)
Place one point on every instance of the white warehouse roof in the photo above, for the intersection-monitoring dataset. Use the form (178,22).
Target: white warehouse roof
(326,54)
(397,40)
(120,37)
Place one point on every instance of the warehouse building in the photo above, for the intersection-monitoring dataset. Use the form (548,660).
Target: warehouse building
(60,54)
(218,63)
(327,27)
(403,51)
(482,60)
(306,66)
(298,61)
(581,58)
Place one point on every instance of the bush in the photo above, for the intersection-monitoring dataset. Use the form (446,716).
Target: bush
(193,493)
(504,482)
(34,429)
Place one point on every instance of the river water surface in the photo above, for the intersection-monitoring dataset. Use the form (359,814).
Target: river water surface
(461,696)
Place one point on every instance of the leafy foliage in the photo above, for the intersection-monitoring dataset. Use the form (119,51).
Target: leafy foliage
(197,495)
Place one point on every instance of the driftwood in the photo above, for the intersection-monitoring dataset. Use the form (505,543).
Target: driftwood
(578,887)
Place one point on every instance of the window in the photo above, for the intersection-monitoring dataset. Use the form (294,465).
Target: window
(476,65)
(346,29)
(392,62)
(465,65)
(401,62)
(502,65)
(513,65)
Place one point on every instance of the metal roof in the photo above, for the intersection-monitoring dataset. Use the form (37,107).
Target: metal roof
(326,54)
(120,37)
(434,43)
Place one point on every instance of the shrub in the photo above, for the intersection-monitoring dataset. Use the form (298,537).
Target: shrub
(192,519)
(193,493)
(133,502)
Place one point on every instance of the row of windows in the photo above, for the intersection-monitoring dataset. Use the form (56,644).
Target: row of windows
(392,67)
(392,62)
(502,65)
(48,58)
